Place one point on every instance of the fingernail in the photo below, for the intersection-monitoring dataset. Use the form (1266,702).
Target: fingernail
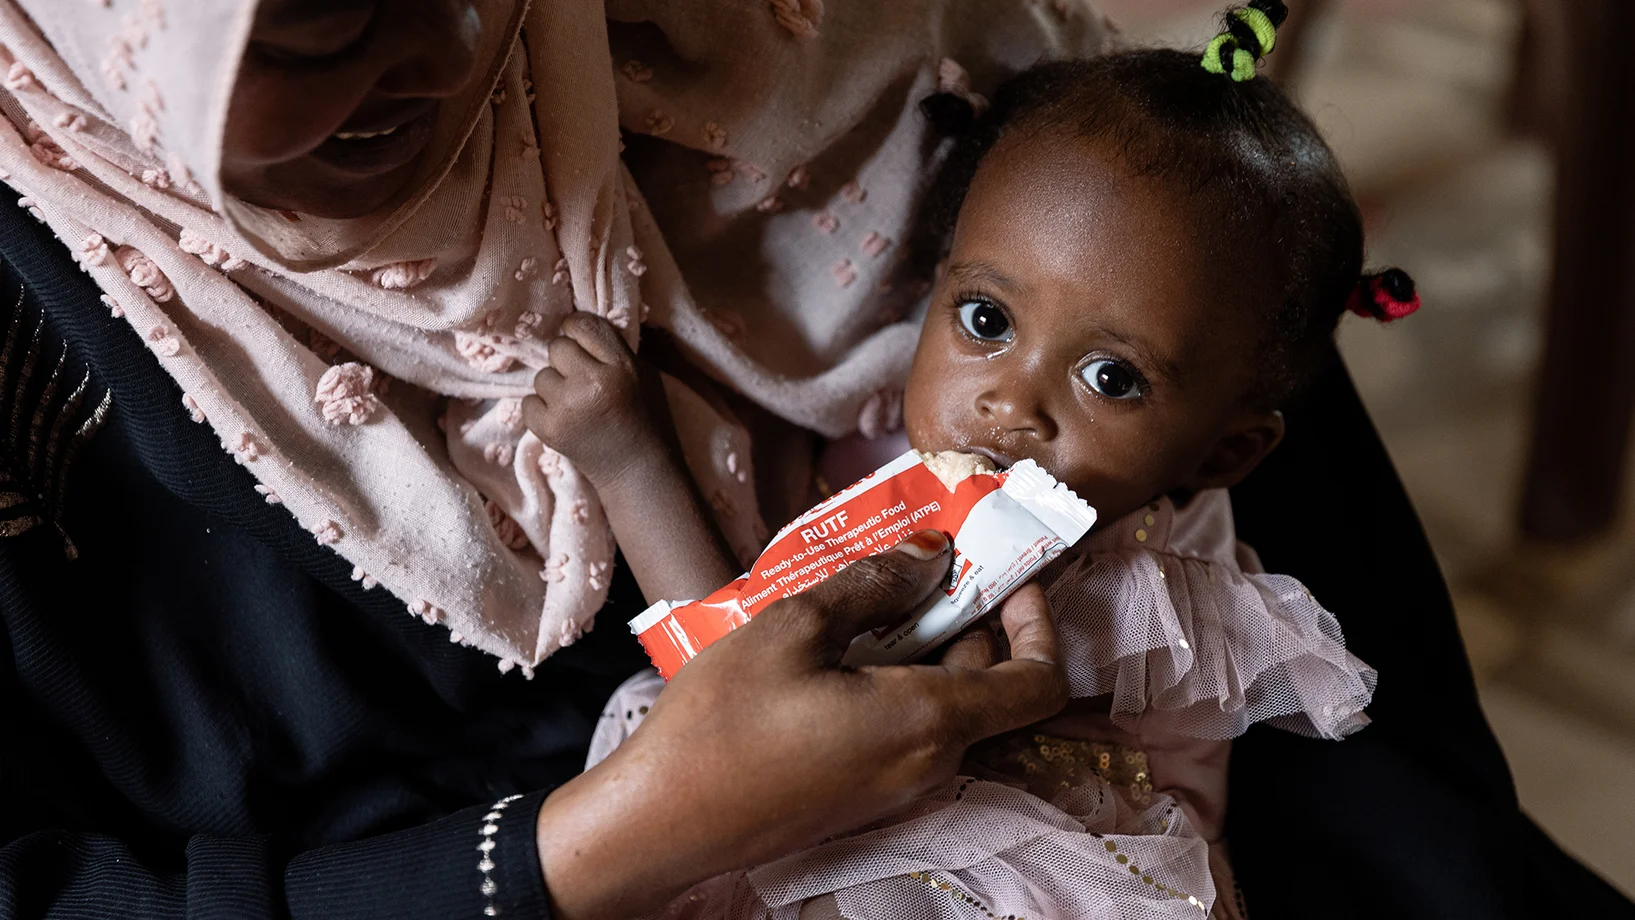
(927,544)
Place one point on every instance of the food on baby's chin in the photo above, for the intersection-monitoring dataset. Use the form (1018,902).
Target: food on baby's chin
(954,467)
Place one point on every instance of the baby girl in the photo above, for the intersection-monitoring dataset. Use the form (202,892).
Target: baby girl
(1149,259)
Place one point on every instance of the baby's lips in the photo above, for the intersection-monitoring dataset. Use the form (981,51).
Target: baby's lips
(999,458)
(925,545)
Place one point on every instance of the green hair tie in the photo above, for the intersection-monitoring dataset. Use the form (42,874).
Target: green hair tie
(1243,63)
(1257,24)
(1212,54)
(1262,24)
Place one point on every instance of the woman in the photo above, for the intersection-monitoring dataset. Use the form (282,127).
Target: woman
(286,205)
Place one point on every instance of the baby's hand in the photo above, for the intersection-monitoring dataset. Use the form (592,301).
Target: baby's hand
(594,405)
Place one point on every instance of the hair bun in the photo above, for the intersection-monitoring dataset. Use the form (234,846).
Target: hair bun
(1386,296)
(952,114)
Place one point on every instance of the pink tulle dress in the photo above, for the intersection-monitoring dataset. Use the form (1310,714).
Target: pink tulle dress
(1175,641)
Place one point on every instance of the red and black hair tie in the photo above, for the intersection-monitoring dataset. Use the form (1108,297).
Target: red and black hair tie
(1387,296)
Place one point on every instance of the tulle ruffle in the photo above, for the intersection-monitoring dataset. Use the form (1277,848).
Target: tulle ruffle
(1203,649)
(978,848)
(980,844)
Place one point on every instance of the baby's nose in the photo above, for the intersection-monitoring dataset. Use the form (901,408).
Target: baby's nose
(1015,414)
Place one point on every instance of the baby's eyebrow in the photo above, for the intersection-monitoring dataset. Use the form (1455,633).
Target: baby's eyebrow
(981,273)
(1164,367)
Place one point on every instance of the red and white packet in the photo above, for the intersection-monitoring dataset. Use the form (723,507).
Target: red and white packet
(1005,527)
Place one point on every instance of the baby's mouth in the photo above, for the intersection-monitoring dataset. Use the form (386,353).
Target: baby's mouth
(1001,460)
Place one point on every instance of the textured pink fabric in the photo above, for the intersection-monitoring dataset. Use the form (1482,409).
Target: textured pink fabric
(114,118)
(345,393)
(988,843)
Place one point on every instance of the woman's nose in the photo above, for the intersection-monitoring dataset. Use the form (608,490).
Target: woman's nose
(438,44)
(1015,413)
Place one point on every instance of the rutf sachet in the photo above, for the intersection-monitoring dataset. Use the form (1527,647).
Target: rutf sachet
(1005,525)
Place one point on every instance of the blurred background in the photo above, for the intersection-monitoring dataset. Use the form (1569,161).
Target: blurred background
(1466,126)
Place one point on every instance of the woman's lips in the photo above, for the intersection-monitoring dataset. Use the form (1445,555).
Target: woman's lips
(367,149)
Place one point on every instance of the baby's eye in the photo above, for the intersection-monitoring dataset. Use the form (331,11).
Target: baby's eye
(985,321)
(1112,379)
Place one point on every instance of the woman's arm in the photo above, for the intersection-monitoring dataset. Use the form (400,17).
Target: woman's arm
(430,872)
(763,744)
(601,408)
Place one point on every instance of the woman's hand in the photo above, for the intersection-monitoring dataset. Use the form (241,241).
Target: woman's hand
(763,744)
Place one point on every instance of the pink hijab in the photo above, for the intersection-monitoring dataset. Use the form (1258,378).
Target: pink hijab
(368,372)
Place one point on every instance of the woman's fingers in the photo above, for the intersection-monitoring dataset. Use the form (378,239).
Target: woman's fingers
(870,593)
(1030,686)
(973,649)
(1032,633)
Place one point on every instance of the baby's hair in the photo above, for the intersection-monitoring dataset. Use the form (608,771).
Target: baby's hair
(1256,164)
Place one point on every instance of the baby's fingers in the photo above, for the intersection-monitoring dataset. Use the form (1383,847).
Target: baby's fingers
(569,358)
(599,338)
(538,418)
(548,382)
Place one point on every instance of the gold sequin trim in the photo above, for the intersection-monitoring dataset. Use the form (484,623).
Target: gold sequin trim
(955,893)
(1123,859)
(1068,764)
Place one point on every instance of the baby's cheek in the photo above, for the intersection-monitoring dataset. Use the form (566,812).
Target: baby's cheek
(1115,478)
(916,424)
(1108,496)
(925,404)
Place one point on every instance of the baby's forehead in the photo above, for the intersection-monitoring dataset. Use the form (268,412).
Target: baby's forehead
(1071,181)
(1070,213)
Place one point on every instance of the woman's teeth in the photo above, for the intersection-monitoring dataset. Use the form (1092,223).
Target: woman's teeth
(362,135)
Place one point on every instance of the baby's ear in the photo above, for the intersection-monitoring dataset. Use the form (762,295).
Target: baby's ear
(1251,437)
